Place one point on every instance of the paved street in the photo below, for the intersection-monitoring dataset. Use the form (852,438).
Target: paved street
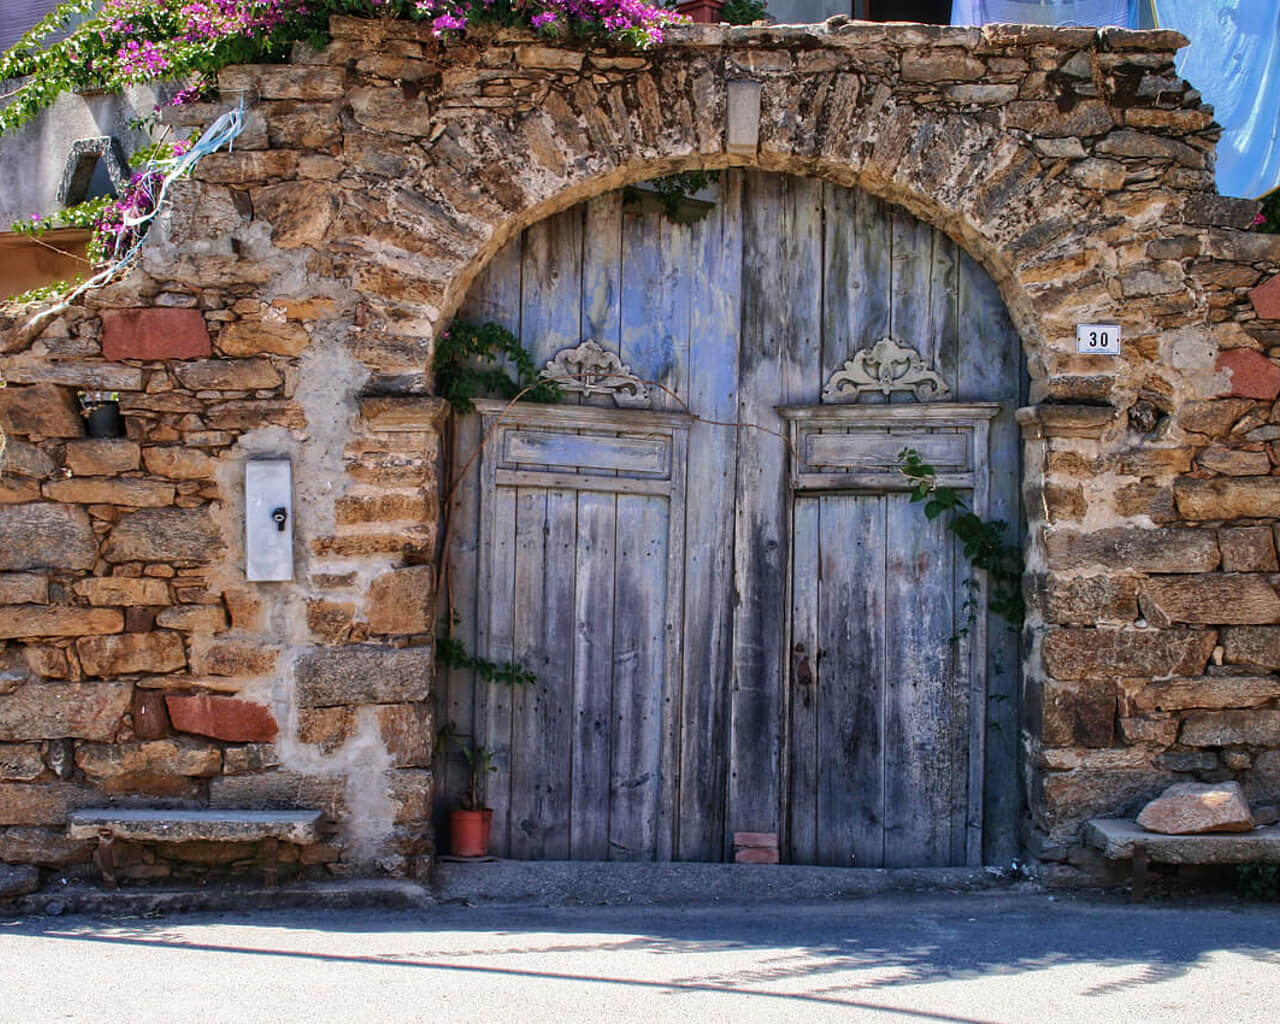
(986,957)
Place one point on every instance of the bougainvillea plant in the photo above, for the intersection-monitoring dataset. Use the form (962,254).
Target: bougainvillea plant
(108,44)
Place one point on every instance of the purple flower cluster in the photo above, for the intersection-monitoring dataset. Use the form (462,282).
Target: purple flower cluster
(118,227)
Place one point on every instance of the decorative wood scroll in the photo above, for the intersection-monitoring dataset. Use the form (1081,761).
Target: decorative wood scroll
(886,366)
(591,370)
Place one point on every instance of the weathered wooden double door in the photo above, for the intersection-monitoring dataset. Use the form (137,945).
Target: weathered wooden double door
(737,619)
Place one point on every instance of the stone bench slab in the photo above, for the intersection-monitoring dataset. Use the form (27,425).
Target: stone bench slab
(1117,837)
(180,826)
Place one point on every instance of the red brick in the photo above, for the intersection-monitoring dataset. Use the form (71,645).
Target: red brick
(754,856)
(756,840)
(154,334)
(223,718)
(1253,375)
(150,717)
(1266,299)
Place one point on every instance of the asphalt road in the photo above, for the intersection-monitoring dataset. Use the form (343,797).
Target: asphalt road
(985,957)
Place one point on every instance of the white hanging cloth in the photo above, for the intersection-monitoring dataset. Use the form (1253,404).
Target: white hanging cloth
(1234,60)
(1046,12)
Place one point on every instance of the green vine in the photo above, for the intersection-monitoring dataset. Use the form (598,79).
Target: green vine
(452,653)
(984,542)
(468,363)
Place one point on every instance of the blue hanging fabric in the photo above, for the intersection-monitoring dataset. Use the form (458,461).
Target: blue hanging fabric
(1234,60)
(1046,12)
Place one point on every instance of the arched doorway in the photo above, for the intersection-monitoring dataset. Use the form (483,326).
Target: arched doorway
(738,621)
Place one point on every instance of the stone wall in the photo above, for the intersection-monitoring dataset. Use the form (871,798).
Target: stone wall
(286,306)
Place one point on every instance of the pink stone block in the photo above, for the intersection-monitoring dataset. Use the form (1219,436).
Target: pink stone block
(756,840)
(154,334)
(1253,375)
(223,718)
(1266,299)
(754,856)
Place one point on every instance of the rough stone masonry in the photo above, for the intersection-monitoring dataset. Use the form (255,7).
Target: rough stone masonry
(286,304)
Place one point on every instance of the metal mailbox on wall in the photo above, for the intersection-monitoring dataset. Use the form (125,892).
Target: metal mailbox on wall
(268,519)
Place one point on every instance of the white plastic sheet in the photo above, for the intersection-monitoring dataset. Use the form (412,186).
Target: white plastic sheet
(1046,12)
(1234,60)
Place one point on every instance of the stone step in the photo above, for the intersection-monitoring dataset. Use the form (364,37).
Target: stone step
(179,826)
(1117,837)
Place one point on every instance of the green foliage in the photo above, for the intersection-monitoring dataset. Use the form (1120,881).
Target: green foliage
(673,190)
(45,292)
(1258,881)
(452,653)
(468,364)
(984,542)
(744,12)
(479,760)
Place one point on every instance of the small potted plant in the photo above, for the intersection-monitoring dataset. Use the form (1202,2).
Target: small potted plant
(101,413)
(470,821)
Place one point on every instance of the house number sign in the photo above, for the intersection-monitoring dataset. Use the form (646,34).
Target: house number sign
(1098,339)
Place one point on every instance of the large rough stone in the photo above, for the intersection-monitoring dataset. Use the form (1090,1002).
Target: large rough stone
(56,710)
(299,214)
(158,757)
(1078,714)
(1208,692)
(1045,118)
(42,410)
(1255,727)
(1126,653)
(23,588)
(363,674)
(43,536)
(1088,600)
(20,762)
(407,733)
(223,718)
(402,600)
(1061,801)
(179,463)
(1213,419)
(42,803)
(102,456)
(105,591)
(154,333)
(1252,374)
(1210,599)
(128,491)
(25,459)
(281,789)
(1227,498)
(254,337)
(165,535)
(1248,549)
(1235,461)
(1164,550)
(123,653)
(1252,645)
(25,620)
(48,848)
(227,375)
(17,880)
(233,656)
(1186,808)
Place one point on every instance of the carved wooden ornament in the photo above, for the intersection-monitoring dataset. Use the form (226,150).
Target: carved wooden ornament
(591,370)
(887,366)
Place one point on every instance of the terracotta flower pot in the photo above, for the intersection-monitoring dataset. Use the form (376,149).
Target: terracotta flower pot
(706,12)
(469,832)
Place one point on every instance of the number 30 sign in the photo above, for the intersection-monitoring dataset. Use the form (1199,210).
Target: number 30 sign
(1098,339)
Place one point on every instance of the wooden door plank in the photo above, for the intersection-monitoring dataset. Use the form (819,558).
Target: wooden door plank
(912,267)
(656,286)
(857,275)
(526,835)
(943,312)
(495,293)
(602,270)
(639,642)
(851,701)
(551,290)
(593,671)
(556,676)
(493,710)
(807,677)
(991,367)
(780,364)
(919,625)
(714,323)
